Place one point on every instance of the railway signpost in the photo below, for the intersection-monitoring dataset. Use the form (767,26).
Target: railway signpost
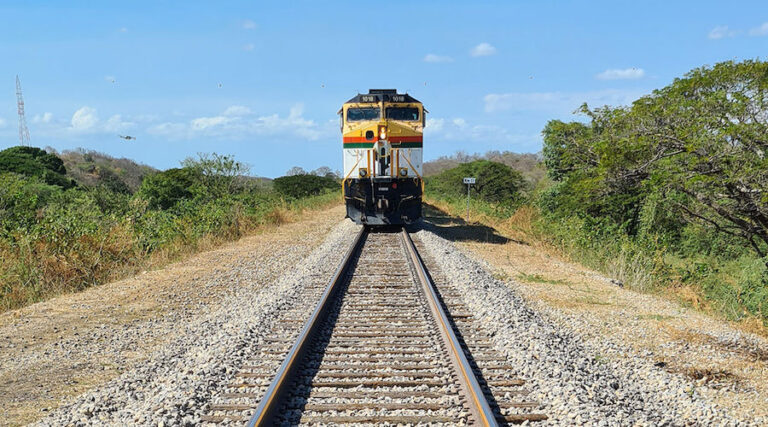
(469,181)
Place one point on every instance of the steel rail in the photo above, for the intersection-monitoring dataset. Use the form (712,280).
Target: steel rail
(269,404)
(480,407)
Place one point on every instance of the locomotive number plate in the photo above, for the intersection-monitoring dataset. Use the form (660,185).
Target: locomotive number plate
(383,189)
(367,98)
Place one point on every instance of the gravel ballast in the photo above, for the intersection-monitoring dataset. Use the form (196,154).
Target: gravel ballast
(577,375)
(576,381)
(173,386)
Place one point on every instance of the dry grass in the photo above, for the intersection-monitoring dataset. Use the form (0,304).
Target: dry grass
(35,270)
(632,269)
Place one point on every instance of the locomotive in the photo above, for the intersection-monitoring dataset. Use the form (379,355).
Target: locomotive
(382,134)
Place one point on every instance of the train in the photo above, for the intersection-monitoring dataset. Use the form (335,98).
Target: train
(383,136)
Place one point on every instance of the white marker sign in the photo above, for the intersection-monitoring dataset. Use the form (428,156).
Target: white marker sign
(469,180)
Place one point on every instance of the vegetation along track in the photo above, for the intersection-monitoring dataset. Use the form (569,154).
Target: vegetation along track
(380,347)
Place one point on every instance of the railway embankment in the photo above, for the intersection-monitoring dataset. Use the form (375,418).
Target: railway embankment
(145,344)
(155,349)
(593,349)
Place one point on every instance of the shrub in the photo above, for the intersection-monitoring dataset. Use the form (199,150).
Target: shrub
(496,182)
(300,186)
(34,162)
(164,189)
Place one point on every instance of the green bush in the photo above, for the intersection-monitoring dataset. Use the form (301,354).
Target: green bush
(164,189)
(34,162)
(55,240)
(20,199)
(496,182)
(300,186)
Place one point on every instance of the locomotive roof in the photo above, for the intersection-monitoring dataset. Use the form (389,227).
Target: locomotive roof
(386,95)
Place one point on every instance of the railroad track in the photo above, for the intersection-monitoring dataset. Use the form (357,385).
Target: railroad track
(382,346)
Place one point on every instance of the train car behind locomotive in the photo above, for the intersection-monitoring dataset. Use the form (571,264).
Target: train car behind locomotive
(383,141)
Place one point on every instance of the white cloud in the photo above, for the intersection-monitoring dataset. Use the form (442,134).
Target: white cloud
(169,129)
(249,47)
(202,123)
(45,118)
(431,57)
(457,129)
(3,123)
(249,25)
(759,31)
(123,30)
(434,124)
(110,79)
(721,31)
(459,122)
(84,119)
(483,49)
(116,124)
(238,122)
(236,110)
(557,102)
(621,74)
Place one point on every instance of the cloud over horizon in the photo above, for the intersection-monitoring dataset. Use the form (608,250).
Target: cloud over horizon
(621,74)
(720,32)
(483,49)
(86,120)
(238,122)
(557,102)
(433,58)
(762,30)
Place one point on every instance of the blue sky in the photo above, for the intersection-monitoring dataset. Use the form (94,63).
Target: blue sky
(263,81)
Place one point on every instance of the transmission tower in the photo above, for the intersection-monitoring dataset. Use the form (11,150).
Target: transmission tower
(23,130)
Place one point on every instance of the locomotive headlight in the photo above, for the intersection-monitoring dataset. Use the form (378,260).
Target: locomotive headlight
(403,171)
(382,132)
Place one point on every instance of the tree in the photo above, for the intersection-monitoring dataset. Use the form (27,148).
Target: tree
(221,174)
(567,148)
(325,171)
(496,183)
(34,162)
(296,170)
(701,142)
(164,189)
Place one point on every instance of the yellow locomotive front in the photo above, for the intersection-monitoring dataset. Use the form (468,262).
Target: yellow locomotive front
(383,150)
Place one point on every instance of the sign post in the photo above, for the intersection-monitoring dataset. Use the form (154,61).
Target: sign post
(469,182)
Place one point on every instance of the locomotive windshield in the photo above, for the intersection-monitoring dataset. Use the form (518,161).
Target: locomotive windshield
(366,113)
(401,113)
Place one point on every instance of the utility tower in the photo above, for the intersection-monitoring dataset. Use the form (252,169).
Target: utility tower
(23,130)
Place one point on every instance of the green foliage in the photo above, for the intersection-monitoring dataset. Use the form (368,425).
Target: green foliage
(299,186)
(699,143)
(528,164)
(496,183)
(164,189)
(220,174)
(54,239)
(678,179)
(20,199)
(34,162)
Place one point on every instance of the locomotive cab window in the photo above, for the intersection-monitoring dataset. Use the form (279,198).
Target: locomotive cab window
(365,113)
(403,113)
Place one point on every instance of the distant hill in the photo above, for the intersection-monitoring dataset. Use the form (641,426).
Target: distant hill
(91,168)
(528,164)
